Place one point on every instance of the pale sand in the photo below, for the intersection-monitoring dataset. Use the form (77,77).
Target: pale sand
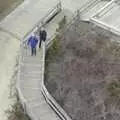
(8,61)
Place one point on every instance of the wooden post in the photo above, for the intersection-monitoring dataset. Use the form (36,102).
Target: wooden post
(59,6)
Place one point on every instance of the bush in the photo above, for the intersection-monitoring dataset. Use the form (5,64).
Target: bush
(114,88)
(53,50)
(61,24)
(16,112)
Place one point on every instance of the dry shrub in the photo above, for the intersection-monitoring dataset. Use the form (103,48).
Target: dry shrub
(16,112)
(80,71)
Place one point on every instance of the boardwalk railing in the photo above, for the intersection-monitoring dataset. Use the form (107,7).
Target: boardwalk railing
(87,5)
(105,26)
(40,23)
(106,9)
(50,100)
(48,97)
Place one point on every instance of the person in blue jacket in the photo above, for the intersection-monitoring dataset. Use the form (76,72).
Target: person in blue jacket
(33,41)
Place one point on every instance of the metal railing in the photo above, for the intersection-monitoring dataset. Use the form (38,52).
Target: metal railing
(56,9)
(48,97)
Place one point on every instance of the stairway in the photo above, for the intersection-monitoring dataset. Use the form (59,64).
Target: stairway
(30,84)
(31,78)
(91,8)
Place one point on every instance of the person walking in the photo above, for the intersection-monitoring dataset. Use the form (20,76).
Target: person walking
(42,36)
(32,41)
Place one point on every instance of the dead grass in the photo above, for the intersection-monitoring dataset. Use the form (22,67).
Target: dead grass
(78,76)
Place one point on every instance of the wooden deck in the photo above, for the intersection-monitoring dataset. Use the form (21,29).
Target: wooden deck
(30,81)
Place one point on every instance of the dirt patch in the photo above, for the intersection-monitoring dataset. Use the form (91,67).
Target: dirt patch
(77,75)
(7,6)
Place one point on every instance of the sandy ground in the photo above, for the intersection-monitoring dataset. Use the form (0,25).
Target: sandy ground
(6,72)
(7,6)
(8,60)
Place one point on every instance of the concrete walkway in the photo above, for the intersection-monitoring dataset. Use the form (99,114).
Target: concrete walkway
(13,28)
(91,8)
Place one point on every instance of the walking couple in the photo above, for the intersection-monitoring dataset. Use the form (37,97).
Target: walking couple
(33,40)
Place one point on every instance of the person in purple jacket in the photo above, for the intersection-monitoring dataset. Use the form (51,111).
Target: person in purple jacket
(33,41)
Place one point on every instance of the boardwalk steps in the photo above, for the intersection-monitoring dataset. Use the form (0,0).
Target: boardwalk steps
(91,8)
(30,82)
(108,17)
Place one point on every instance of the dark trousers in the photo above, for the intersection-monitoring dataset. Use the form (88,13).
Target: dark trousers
(33,51)
(40,43)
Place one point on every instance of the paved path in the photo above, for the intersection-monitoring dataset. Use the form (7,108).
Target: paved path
(91,8)
(13,29)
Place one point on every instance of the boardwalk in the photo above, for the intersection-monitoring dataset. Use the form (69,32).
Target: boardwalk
(30,81)
(30,84)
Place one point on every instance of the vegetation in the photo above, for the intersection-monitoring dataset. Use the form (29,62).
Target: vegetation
(62,23)
(16,112)
(114,88)
(80,76)
(53,50)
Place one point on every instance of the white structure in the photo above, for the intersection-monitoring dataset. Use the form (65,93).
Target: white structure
(109,17)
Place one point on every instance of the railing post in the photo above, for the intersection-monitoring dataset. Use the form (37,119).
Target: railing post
(77,20)
(24,106)
(59,6)
(78,15)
